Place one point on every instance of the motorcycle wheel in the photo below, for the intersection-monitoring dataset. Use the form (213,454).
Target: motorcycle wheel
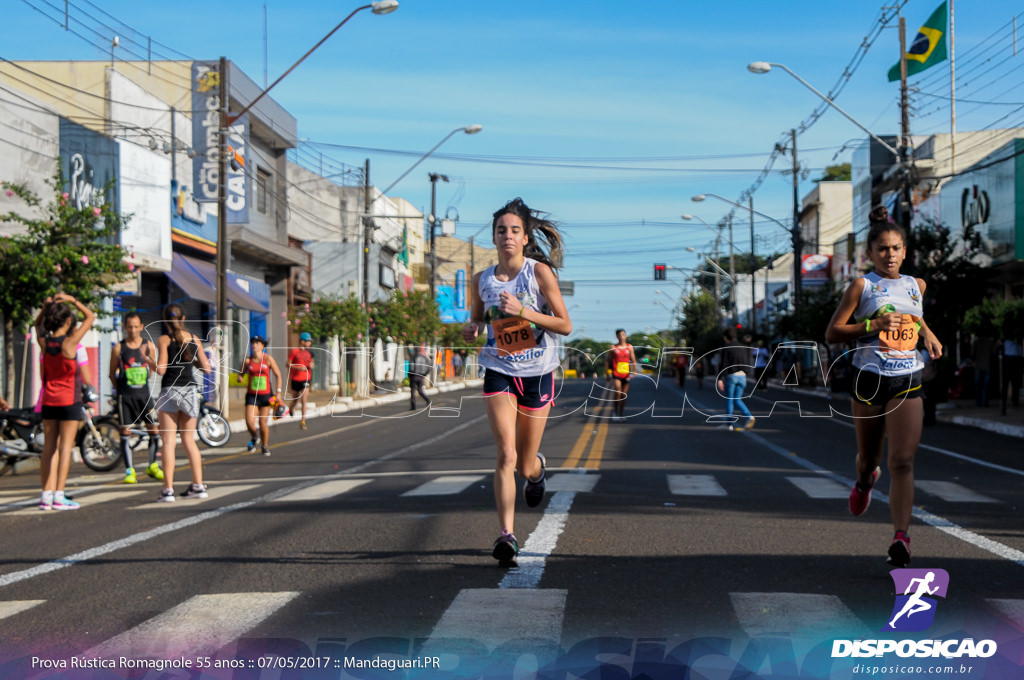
(101,451)
(213,429)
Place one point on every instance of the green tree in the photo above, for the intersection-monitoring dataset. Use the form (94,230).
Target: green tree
(836,173)
(407,318)
(344,318)
(60,247)
(819,304)
(700,322)
(946,262)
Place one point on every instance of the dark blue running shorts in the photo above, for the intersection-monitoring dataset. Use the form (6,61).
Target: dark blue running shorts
(532,392)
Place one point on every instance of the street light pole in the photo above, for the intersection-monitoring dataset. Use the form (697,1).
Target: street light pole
(794,232)
(225,122)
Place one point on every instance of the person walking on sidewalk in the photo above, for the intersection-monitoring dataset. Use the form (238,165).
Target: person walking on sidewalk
(621,363)
(258,366)
(735,365)
(518,303)
(131,361)
(58,333)
(179,352)
(419,369)
(883,312)
(300,372)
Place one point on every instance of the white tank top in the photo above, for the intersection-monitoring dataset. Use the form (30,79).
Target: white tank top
(891,353)
(516,347)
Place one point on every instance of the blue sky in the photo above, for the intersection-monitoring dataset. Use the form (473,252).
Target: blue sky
(608,115)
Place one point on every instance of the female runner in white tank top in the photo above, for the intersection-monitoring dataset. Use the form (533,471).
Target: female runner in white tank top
(882,312)
(519,304)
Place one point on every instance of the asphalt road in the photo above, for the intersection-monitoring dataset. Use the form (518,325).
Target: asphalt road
(368,536)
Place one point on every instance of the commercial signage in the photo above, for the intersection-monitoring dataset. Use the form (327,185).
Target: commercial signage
(89,161)
(205,128)
(460,289)
(985,201)
(815,269)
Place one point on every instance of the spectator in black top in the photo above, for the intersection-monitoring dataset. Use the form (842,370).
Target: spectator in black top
(736,363)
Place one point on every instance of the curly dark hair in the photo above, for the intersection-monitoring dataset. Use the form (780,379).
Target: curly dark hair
(536,227)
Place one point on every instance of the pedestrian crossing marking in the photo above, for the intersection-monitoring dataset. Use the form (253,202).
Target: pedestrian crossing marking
(444,486)
(1010,610)
(472,614)
(789,614)
(819,487)
(695,485)
(330,489)
(198,626)
(214,493)
(952,492)
(11,608)
(572,482)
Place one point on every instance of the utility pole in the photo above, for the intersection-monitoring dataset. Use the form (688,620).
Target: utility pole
(906,203)
(367,232)
(432,219)
(223,246)
(732,276)
(798,241)
(753,268)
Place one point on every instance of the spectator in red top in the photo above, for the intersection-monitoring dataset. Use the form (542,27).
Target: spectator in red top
(300,372)
(58,333)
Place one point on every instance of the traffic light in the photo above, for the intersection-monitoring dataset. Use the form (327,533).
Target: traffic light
(659,272)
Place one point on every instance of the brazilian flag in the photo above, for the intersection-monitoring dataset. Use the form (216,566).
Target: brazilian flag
(928,48)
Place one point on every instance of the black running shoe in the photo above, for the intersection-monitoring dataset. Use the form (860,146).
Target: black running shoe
(899,550)
(506,547)
(533,491)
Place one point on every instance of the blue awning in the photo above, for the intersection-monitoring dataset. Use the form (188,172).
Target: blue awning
(199,281)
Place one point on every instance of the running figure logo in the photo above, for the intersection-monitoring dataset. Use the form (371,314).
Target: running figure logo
(914,610)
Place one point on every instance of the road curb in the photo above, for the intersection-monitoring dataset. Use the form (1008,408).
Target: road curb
(1005,429)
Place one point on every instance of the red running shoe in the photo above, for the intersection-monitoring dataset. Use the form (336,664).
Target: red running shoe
(899,550)
(860,498)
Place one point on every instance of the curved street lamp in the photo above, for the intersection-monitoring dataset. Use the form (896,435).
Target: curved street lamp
(766,66)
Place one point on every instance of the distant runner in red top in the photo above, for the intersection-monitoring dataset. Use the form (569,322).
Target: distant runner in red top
(300,372)
(622,364)
(258,367)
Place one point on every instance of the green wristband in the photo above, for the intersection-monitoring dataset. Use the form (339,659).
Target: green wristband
(867,325)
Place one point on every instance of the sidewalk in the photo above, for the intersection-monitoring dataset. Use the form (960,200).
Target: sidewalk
(321,403)
(961,412)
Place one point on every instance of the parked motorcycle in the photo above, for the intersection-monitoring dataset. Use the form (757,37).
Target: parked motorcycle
(212,428)
(21,437)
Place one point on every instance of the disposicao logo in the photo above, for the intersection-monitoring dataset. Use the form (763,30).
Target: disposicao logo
(914,610)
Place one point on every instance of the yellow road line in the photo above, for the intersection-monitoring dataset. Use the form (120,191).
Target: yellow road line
(581,442)
(597,448)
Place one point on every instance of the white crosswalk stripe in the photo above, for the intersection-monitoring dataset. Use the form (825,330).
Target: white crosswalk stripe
(819,487)
(952,492)
(445,486)
(16,607)
(214,493)
(695,485)
(323,491)
(199,626)
(494,616)
(1012,611)
(790,614)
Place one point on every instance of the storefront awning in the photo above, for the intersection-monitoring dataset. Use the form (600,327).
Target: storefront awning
(190,280)
(199,281)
